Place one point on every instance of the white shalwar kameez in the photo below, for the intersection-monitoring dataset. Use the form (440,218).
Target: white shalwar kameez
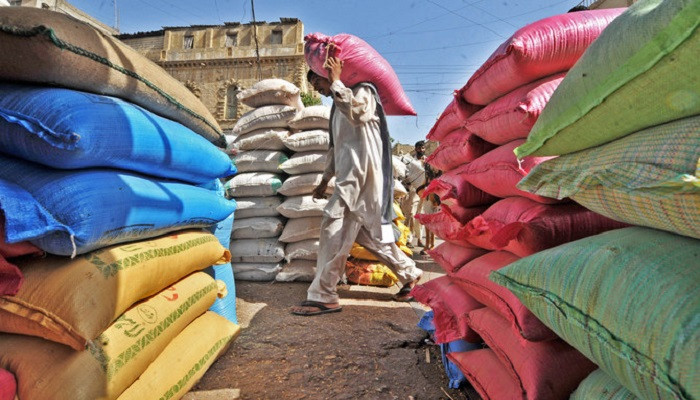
(354,211)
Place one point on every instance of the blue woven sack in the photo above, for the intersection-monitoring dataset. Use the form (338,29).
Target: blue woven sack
(69,129)
(93,208)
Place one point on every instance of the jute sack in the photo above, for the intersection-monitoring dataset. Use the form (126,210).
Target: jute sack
(269,92)
(302,250)
(256,251)
(53,48)
(276,116)
(259,161)
(257,228)
(313,140)
(256,272)
(305,163)
(297,270)
(298,185)
(253,184)
(185,360)
(298,229)
(313,117)
(71,301)
(302,206)
(261,139)
(249,207)
(48,370)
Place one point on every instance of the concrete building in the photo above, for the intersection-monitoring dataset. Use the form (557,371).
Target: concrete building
(63,7)
(217,61)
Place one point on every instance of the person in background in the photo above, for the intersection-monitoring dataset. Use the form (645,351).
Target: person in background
(361,207)
(414,203)
(429,203)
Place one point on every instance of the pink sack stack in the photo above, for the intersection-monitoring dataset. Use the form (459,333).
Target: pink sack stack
(362,63)
(458,147)
(452,118)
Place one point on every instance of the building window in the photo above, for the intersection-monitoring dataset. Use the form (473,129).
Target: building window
(15,3)
(231,39)
(189,42)
(231,102)
(276,37)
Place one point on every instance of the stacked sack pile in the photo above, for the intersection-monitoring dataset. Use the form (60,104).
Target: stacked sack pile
(488,223)
(309,143)
(259,151)
(628,141)
(121,202)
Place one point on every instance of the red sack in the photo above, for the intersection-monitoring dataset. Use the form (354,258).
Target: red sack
(445,226)
(474,279)
(362,63)
(452,257)
(453,188)
(537,50)
(486,374)
(452,118)
(463,214)
(9,250)
(512,115)
(11,278)
(8,385)
(457,148)
(450,305)
(498,171)
(524,227)
(548,370)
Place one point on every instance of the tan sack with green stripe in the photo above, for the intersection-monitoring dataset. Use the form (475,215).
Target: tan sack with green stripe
(48,370)
(185,360)
(71,301)
(649,178)
(52,48)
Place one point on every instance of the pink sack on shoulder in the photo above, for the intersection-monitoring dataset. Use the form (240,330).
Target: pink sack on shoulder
(362,63)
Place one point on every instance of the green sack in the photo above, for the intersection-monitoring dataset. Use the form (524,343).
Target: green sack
(628,299)
(649,178)
(599,386)
(640,72)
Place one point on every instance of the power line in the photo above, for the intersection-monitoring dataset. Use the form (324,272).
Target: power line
(465,18)
(441,48)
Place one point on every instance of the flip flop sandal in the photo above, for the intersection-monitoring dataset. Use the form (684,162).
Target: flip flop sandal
(404,294)
(322,309)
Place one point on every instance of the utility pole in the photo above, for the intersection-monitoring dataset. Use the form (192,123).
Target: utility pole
(116,16)
(255,35)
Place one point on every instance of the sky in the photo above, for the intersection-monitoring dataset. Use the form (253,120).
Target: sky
(434,46)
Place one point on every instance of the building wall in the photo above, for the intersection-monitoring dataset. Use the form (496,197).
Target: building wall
(66,8)
(215,72)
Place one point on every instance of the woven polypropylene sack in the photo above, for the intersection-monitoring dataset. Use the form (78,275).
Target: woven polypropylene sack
(600,386)
(186,359)
(277,116)
(257,272)
(362,63)
(256,251)
(450,305)
(302,206)
(498,172)
(312,117)
(57,49)
(310,140)
(639,73)
(257,228)
(94,298)
(512,115)
(649,178)
(297,270)
(101,207)
(628,299)
(270,92)
(68,129)
(48,370)
(548,370)
(539,49)
(453,117)
(303,250)
(261,139)
(473,277)
(8,385)
(372,273)
(523,227)
(487,374)
(299,185)
(249,207)
(225,304)
(253,184)
(453,188)
(305,163)
(452,257)
(259,161)
(298,229)
(445,226)
(457,148)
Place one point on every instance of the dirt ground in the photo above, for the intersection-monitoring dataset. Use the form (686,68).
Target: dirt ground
(371,350)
